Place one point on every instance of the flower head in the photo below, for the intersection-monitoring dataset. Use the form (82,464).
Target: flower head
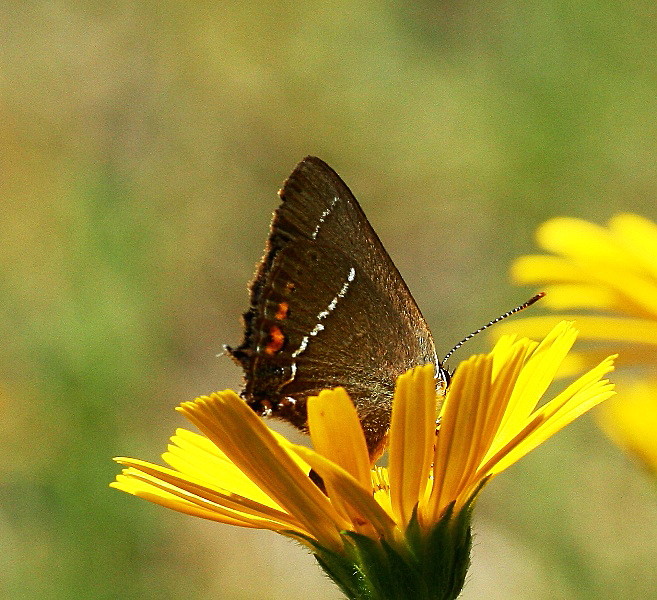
(395,532)
(609,271)
(610,275)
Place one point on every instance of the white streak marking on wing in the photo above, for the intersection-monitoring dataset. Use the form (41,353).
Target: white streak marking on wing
(326,213)
(322,315)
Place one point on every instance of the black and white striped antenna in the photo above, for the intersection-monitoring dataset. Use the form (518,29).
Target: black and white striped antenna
(497,320)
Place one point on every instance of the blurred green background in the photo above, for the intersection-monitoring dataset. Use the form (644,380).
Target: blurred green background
(142,145)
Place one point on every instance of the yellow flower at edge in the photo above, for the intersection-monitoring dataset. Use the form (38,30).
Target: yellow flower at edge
(608,271)
(610,274)
(631,421)
(417,510)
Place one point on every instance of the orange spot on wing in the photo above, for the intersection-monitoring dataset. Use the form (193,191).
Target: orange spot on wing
(282,311)
(276,340)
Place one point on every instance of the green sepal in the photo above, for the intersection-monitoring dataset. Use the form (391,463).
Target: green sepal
(390,572)
(430,564)
(443,551)
(341,568)
(346,574)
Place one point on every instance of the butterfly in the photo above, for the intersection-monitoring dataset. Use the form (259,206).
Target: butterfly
(328,308)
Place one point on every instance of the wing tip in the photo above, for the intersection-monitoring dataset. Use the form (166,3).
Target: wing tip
(305,169)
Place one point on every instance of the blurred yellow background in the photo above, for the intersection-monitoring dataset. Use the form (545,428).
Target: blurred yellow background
(142,145)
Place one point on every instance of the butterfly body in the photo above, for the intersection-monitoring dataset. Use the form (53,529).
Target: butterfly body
(328,308)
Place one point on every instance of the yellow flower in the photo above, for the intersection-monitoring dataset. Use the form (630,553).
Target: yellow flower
(378,532)
(612,271)
(611,274)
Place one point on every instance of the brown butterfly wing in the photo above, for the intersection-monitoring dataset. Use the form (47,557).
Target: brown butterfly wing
(328,308)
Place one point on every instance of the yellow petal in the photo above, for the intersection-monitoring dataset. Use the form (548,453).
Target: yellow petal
(506,350)
(578,362)
(490,464)
(639,236)
(465,409)
(619,261)
(350,492)
(581,295)
(537,374)
(541,269)
(336,433)
(582,241)
(412,435)
(619,329)
(578,398)
(631,420)
(381,487)
(209,466)
(153,483)
(143,490)
(248,442)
